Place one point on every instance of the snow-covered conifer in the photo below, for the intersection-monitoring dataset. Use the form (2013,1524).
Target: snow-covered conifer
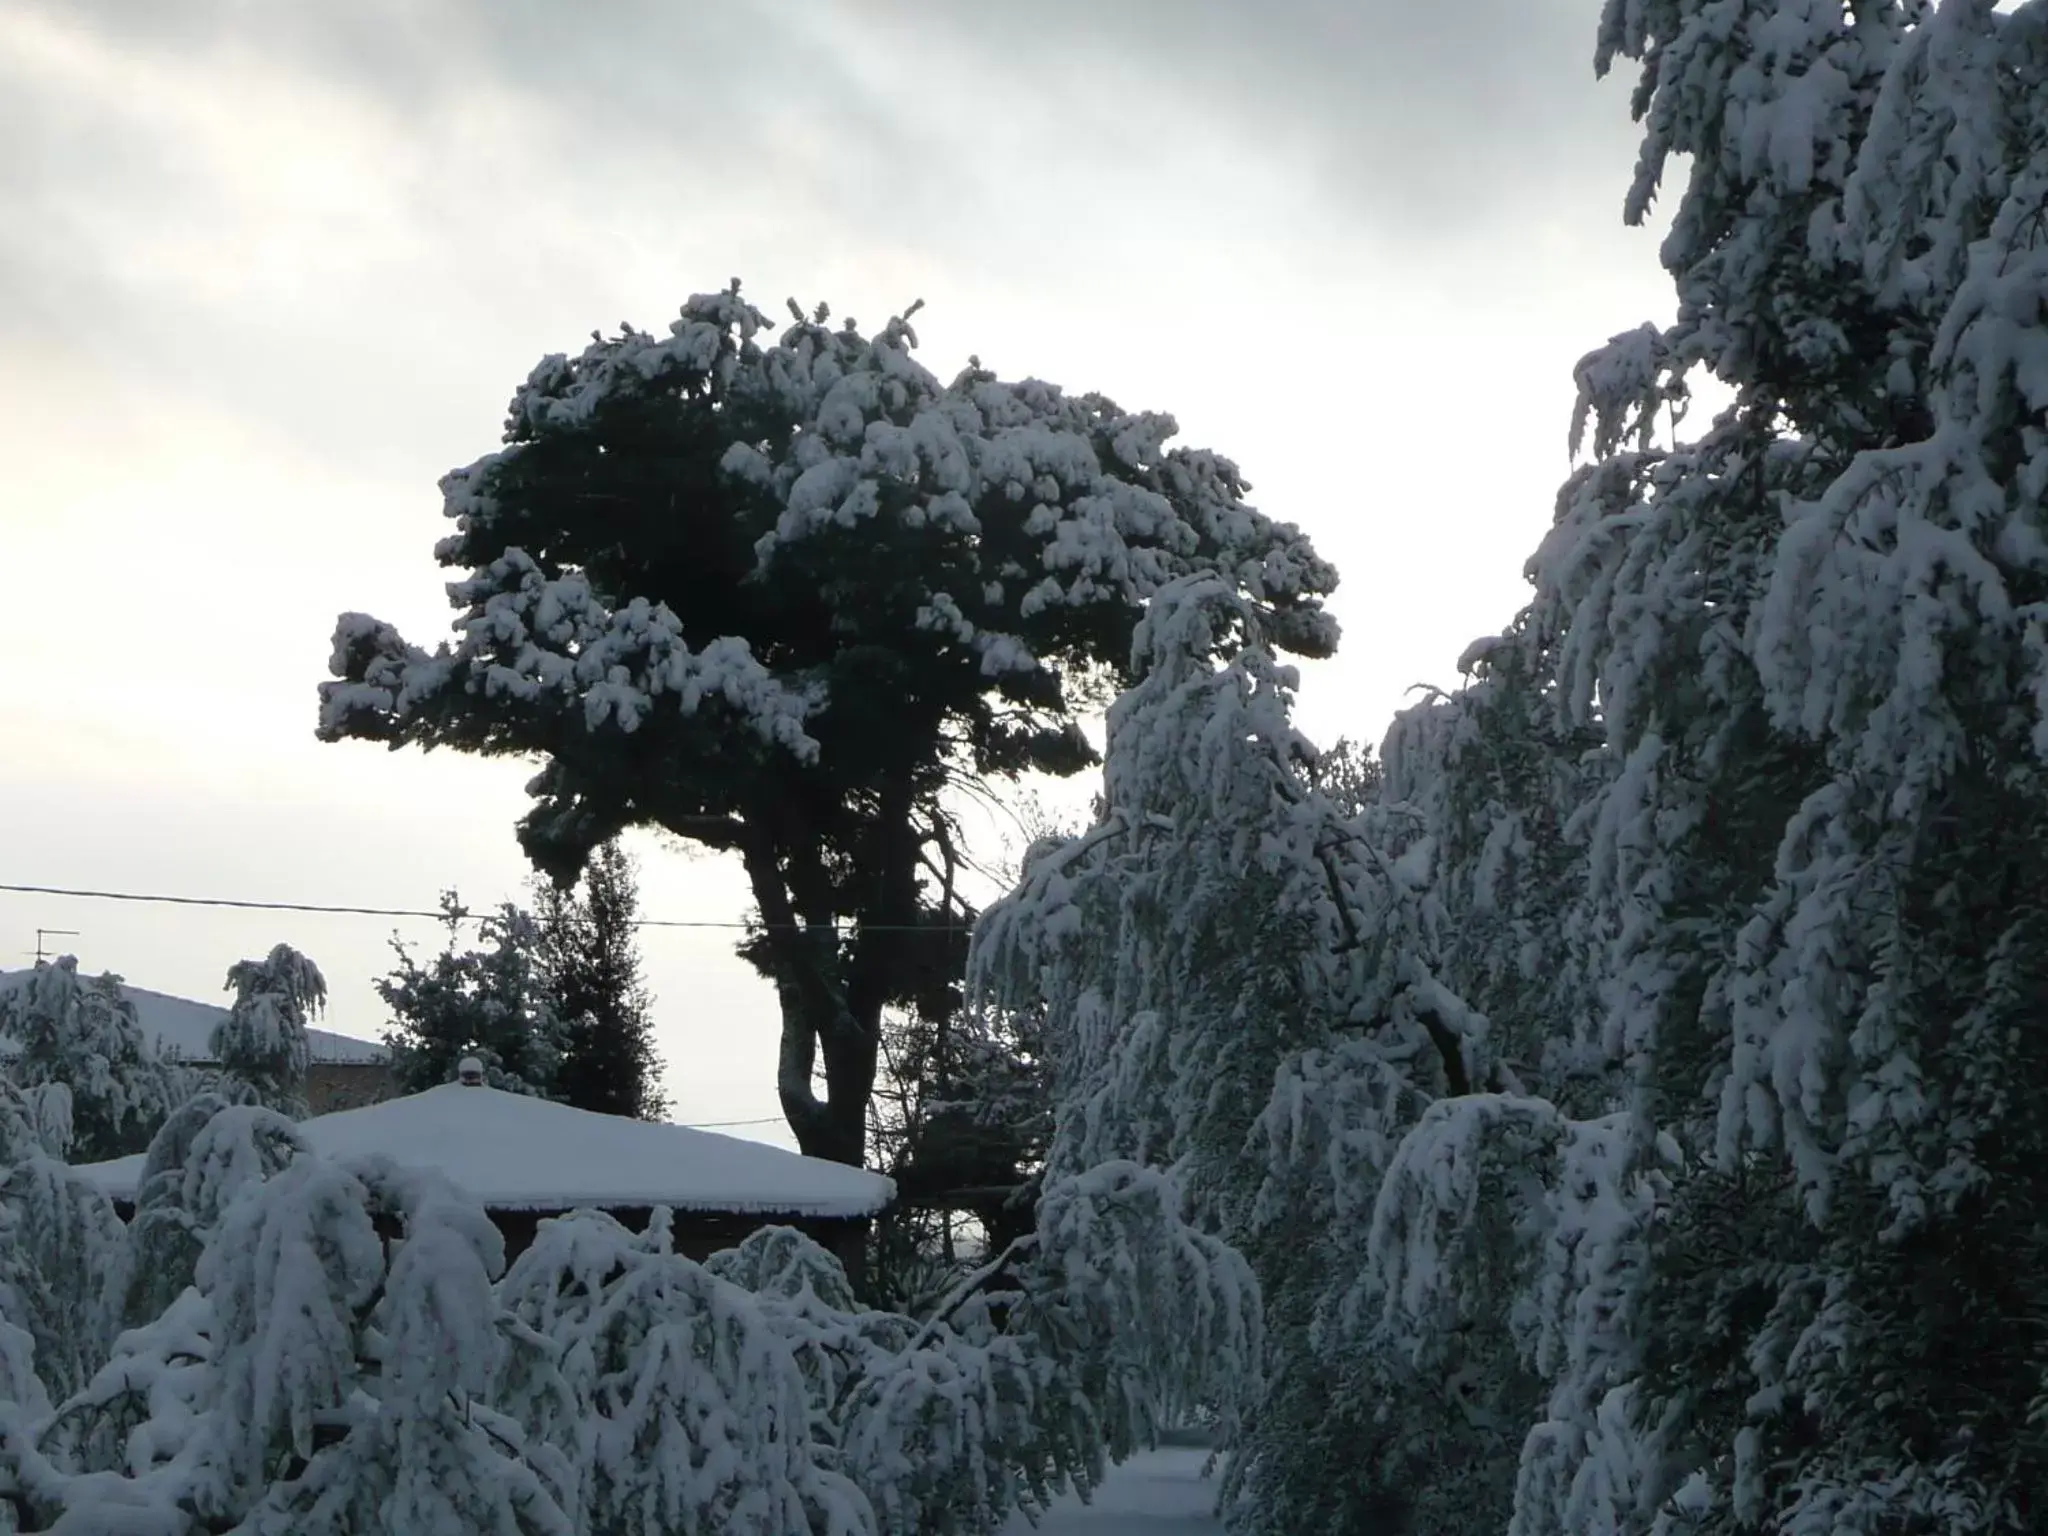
(893,581)
(261,1045)
(291,1276)
(205,1154)
(1240,981)
(1807,644)
(61,1250)
(1132,936)
(781,1262)
(671,1397)
(81,1034)
(358,1349)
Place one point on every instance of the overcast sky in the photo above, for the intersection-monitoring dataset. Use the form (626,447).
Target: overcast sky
(267,271)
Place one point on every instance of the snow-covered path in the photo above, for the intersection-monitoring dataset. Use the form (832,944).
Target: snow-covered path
(1155,1493)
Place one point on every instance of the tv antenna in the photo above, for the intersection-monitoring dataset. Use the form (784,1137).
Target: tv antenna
(51,933)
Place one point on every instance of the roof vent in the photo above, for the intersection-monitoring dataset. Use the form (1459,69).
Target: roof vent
(470,1072)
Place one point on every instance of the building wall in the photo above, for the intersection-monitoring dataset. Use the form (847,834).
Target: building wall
(699,1234)
(332,1085)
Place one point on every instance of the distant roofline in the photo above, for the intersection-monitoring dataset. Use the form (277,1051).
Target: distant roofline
(350,1050)
(514,1153)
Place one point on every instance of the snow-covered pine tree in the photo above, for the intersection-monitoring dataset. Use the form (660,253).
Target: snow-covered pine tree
(1810,644)
(1131,937)
(340,1360)
(60,1250)
(261,1046)
(79,1035)
(1238,978)
(1536,1201)
(290,1278)
(354,1373)
(1073,1346)
(125,1446)
(207,1152)
(778,596)
(939,1424)
(491,1002)
(666,1392)
(452,1462)
(800,1283)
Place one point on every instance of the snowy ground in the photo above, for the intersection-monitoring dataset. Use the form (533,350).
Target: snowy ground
(1156,1493)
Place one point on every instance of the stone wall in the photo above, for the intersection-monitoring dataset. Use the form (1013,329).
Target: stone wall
(332,1085)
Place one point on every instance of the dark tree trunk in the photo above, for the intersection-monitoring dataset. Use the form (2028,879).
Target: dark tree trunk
(832,995)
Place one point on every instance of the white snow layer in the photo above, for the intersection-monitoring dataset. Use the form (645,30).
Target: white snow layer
(177,1026)
(514,1152)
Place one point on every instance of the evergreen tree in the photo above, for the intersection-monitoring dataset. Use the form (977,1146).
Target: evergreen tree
(672,1398)
(208,1152)
(261,1045)
(589,959)
(60,1269)
(78,1040)
(491,1002)
(1810,639)
(335,1350)
(1757,779)
(778,599)
(1239,978)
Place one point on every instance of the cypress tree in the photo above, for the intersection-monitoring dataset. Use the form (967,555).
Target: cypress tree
(592,966)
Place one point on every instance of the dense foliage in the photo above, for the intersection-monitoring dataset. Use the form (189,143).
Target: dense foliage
(491,1001)
(1627,1102)
(776,598)
(1609,1109)
(261,1048)
(78,1053)
(318,1345)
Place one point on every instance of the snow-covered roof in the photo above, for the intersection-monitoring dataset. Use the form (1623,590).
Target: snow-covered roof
(178,1026)
(516,1153)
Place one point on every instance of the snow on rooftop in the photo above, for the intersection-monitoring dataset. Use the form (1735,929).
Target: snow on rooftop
(177,1026)
(513,1152)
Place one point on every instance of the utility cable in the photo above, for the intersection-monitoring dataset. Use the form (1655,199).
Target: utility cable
(437,916)
(306,906)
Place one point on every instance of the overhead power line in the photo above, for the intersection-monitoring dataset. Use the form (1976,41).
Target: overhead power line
(309,906)
(239,904)
(216,901)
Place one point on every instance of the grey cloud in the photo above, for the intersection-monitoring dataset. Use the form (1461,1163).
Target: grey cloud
(1439,113)
(1442,113)
(419,52)
(1421,128)
(627,75)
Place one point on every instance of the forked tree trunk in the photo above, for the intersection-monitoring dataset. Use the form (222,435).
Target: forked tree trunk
(822,1017)
(832,996)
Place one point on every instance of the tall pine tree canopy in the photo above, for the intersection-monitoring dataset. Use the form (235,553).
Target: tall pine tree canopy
(774,597)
